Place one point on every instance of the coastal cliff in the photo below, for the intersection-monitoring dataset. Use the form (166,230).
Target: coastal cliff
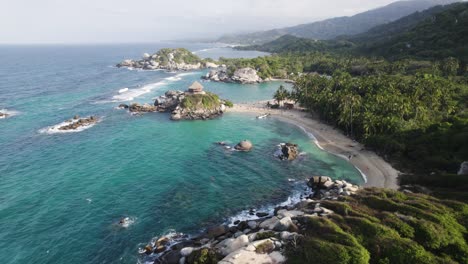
(178,59)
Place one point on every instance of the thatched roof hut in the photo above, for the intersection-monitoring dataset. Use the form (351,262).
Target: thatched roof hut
(196,87)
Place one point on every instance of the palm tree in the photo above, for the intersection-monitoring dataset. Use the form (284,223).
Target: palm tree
(281,94)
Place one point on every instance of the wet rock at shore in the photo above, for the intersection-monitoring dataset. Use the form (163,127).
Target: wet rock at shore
(260,240)
(289,151)
(138,108)
(244,145)
(123,106)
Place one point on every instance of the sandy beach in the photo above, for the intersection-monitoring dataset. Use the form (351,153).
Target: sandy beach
(377,171)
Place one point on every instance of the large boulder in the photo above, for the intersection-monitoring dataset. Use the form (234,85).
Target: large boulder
(246,75)
(216,231)
(463,168)
(289,151)
(244,145)
(320,182)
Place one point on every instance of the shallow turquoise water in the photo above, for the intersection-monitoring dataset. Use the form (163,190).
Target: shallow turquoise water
(61,193)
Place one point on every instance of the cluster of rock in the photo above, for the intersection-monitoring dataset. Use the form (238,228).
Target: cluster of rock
(173,102)
(78,122)
(255,241)
(289,151)
(243,75)
(168,59)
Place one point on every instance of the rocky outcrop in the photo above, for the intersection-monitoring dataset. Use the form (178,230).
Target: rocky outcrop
(78,122)
(258,240)
(168,59)
(244,145)
(138,108)
(189,106)
(3,115)
(242,75)
(289,151)
(463,168)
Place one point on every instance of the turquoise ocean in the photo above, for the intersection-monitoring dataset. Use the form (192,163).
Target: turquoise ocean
(62,193)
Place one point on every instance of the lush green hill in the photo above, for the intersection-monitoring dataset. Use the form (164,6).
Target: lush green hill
(441,35)
(334,27)
(437,33)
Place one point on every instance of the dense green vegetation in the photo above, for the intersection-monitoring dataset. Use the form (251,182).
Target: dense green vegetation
(334,27)
(179,55)
(197,101)
(383,226)
(418,120)
(434,34)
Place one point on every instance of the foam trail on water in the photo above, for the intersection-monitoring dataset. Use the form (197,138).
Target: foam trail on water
(125,94)
(9,113)
(55,129)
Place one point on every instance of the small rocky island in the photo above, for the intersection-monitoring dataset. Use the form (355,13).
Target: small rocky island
(242,75)
(78,122)
(179,59)
(193,104)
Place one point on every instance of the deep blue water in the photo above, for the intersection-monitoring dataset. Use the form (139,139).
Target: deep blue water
(60,194)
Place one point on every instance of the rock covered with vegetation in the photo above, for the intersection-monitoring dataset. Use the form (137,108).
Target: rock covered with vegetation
(235,75)
(189,106)
(179,59)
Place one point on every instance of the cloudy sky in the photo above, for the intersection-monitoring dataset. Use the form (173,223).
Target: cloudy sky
(101,21)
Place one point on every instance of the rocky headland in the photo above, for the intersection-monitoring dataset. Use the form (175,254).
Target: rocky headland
(241,75)
(263,239)
(179,59)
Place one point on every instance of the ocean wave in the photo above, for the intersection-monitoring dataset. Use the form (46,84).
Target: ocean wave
(9,113)
(297,195)
(55,129)
(204,50)
(126,94)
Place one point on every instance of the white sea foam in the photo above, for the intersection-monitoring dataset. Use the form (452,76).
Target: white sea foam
(9,113)
(55,129)
(130,94)
(293,199)
(123,90)
(127,221)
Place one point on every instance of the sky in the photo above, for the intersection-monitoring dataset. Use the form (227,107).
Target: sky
(132,21)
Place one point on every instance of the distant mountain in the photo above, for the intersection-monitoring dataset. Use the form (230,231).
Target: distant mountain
(436,33)
(334,27)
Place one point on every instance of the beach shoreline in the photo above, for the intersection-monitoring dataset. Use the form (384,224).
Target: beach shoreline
(375,170)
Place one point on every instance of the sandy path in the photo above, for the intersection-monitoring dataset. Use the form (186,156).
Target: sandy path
(378,172)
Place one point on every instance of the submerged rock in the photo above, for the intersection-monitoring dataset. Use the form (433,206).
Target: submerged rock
(2,115)
(244,145)
(78,122)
